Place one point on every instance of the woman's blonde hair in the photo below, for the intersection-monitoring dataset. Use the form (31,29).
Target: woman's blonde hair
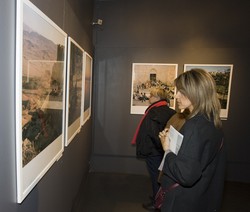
(200,88)
(160,92)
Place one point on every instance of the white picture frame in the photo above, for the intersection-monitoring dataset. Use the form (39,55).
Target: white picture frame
(87,89)
(75,74)
(147,75)
(40,95)
(222,74)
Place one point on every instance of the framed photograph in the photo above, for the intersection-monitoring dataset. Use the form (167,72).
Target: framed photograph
(75,70)
(222,74)
(148,75)
(40,95)
(86,110)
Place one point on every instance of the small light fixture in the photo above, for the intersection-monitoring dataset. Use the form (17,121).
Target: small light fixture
(98,22)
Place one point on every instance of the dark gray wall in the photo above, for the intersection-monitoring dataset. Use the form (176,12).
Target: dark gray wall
(163,31)
(58,189)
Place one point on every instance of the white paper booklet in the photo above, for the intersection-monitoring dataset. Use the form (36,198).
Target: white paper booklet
(175,141)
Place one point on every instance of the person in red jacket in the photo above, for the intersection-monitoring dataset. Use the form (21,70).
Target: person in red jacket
(148,144)
(194,178)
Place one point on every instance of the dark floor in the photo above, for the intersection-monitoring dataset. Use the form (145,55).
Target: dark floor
(108,192)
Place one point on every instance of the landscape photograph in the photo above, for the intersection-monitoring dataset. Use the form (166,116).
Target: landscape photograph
(222,74)
(42,84)
(74,88)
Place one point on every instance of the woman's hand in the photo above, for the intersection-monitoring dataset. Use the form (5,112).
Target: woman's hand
(163,135)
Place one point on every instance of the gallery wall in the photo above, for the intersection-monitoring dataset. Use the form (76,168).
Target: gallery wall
(59,187)
(163,31)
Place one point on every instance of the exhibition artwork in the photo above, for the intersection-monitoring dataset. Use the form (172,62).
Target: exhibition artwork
(87,97)
(40,95)
(148,75)
(75,73)
(222,74)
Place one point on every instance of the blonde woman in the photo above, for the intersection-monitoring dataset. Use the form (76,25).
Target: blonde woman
(194,177)
(148,144)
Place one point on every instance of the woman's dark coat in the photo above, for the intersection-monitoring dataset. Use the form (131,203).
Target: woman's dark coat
(199,168)
(148,142)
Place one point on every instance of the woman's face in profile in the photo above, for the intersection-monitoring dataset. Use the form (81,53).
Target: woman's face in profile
(183,102)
